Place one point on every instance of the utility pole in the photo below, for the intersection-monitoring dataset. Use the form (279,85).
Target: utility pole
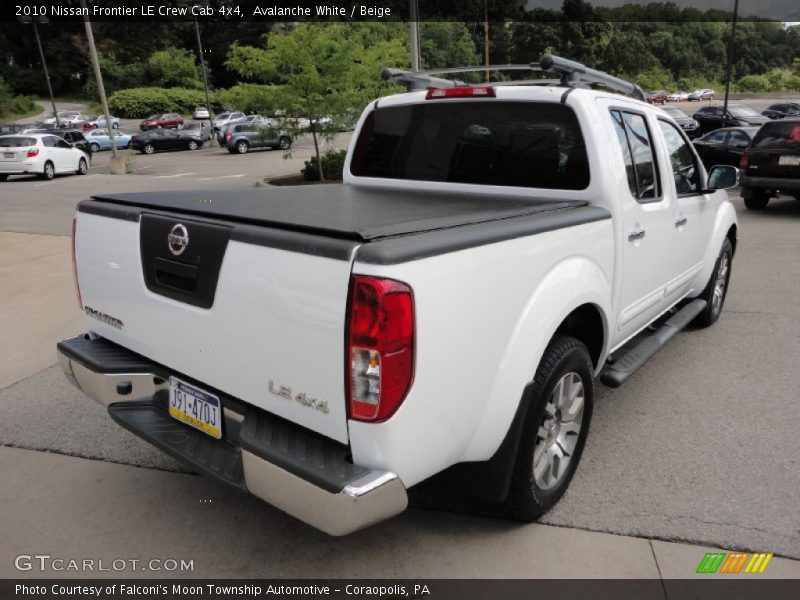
(729,65)
(117,164)
(414,23)
(33,21)
(202,63)
(486,37)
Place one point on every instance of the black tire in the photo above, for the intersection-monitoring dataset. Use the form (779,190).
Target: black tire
(49,171)
(115,126)
(564,357)
(148,149)
(285,143)
(756,200)
(83,167)
(242,147)
(713,303)
(3,177)
(192,145)
(94,147)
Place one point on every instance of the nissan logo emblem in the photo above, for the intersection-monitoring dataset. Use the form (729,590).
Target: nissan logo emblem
(178,239)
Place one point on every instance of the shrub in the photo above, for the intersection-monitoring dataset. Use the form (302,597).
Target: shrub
(249,97)
(138,103)
(22,105)
(332,166)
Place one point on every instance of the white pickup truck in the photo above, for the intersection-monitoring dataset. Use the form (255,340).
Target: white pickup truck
(493,250)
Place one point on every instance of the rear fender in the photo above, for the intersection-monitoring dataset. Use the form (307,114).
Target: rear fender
(571,283)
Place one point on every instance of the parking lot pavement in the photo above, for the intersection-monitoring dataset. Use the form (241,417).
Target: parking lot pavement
(699,446)
(29,205)
(229,534)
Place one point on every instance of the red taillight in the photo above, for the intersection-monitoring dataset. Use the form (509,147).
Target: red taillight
(75,263)
(228,135)
(744,161)
(32,152)
(479,91)
(380,347)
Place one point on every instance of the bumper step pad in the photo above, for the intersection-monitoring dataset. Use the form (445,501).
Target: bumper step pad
(151,422)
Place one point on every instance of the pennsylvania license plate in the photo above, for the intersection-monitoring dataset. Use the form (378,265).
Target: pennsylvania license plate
(8,155)
(195,407)
(789,161)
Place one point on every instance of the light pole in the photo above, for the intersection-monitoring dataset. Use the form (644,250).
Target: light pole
(117,164)
(202,63)
(729,64)
(414,23)
(43,20)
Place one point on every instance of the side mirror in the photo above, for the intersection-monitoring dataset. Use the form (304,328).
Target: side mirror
(742,145)
(722,177)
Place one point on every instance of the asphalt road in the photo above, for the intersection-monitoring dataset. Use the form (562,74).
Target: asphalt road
(701,445)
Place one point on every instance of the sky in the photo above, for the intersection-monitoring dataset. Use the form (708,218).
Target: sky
(781,10)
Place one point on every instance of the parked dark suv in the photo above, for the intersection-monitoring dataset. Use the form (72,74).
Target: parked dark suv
(738,115)
(772,163)
(243,136)
(784,109)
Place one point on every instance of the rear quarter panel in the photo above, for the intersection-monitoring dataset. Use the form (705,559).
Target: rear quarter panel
(483,319)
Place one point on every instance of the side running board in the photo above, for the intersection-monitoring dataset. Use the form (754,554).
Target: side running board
(614,375)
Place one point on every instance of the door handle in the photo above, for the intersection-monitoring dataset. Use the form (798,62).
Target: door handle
(636,234)
(681,222)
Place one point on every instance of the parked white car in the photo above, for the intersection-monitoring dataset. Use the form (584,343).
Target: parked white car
(678,96)
(445,311)
(224,118)
(64,116)
(201,112)
(99,122)
(41,154)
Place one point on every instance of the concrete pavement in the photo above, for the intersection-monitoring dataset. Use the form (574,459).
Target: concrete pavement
(121,512)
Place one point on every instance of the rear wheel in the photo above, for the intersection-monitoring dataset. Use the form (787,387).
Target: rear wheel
(83,167)
(115,126)
(284,143)
(192,145)
(49,171)
(756,200)
(94,147)
(149,149)
(555,429)
(242,147)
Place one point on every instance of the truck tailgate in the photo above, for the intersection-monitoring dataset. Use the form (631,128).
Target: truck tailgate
(232,315)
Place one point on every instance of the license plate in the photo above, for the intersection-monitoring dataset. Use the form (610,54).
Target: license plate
(195,407)
(8,155)
(789,161)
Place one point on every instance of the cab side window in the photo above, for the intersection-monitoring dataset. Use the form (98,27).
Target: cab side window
(636,145)
(682,159)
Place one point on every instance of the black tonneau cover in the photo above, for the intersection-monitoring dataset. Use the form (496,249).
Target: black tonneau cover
(342,211)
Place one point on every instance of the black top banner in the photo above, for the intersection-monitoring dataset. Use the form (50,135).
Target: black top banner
(397,10)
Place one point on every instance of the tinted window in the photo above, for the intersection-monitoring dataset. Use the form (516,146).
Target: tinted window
(50,141)
(737,137)
(16,142)
(682,159)
(525,144)
(777,135)
(718,137)
(640,150)
(63,144)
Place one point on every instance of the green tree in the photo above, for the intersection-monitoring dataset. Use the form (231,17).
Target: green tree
(320,72)
(174,67)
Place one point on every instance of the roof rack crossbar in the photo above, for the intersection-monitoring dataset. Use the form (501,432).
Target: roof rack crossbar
(571,74)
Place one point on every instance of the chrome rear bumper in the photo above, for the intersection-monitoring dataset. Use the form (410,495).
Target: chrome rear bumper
(314,493)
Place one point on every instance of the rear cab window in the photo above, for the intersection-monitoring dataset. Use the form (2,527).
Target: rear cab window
(778,136)
(524,144)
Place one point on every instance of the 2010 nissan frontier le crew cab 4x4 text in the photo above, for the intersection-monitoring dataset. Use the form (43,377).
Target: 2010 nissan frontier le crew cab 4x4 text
(445,311)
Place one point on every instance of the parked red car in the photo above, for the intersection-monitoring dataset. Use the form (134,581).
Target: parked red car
(657,97)
(164,121)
